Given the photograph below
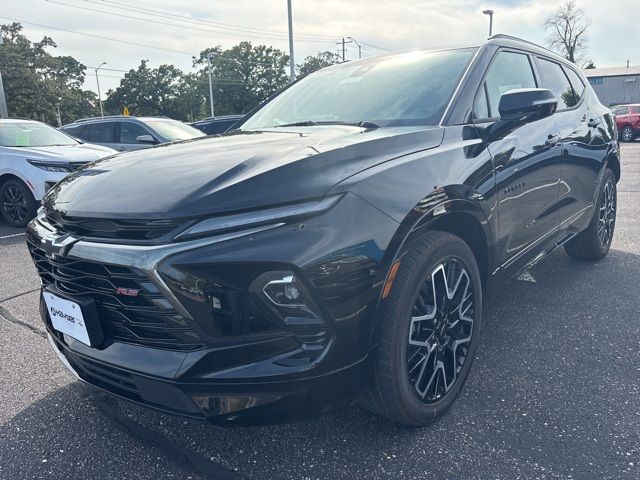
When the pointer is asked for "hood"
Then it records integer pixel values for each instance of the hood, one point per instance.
(81, 152)
(237, 171)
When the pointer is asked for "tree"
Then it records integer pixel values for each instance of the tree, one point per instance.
(151, 91)
(243, 76)
(318, 61)
(568, 28)
(36, 82)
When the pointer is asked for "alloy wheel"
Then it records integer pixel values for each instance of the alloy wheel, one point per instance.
(607, 214)
(14, 204)
(440, 331)
(627, 134)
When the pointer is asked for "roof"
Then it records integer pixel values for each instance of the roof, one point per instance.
(612, 72)
(118, 117)
(17, 120)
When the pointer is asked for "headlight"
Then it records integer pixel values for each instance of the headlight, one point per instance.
(50, 166)
(273, 216)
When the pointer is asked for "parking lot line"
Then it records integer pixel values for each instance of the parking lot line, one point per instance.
(12, 235)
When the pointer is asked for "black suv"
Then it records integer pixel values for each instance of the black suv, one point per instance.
(338, 246)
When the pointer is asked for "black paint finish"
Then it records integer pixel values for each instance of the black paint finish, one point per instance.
(512, 197)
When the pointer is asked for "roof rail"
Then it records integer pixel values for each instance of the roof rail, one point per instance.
(517, 39)
(87, 119)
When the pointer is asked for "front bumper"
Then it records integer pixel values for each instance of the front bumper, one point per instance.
(225, 375)
(219, 403)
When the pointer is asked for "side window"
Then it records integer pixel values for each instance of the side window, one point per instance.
(508, 71)
(79, 131)
(576, 83)
(554, 79)
(129, 132)
(623, 111)
(103, 132)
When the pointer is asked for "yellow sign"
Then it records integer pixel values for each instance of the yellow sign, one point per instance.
(125, 111)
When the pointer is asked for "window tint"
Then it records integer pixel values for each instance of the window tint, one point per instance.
(508, 71)
(576, 83)
(79, 131)
(129, 132)
(480, 106)
(103, 132)
(555, 80)
(623, 111)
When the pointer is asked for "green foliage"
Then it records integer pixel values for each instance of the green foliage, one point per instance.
(321, 60)
(36, 82)
(243, 76)
(162, 91)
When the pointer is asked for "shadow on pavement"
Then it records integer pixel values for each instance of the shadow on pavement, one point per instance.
(554, 393)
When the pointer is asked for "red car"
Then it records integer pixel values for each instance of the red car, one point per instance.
(627, 121)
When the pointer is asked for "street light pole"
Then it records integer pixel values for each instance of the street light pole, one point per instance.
(210, 55)
(98, 83)
(3, 101)
(490, 13)
(292, 63)
(359, 46)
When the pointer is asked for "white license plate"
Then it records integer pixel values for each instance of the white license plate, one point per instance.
(66, 317)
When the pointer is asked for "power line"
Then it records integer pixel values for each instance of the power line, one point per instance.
(98, 36)
(164, 14)
(376, 47)
(158, 22)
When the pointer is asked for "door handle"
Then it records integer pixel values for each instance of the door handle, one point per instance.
(594, 122)
(552, 140)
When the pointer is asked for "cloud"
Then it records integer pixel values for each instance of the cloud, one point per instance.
(397, 25)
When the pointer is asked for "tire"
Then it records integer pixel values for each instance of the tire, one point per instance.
(594, 242)
(627, 134)
(408, 388)
(17, 204)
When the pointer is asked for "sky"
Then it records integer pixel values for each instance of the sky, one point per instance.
(188, 26)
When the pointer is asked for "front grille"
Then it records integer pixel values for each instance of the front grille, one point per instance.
(116, 229)
(103, 373)
(146, 319)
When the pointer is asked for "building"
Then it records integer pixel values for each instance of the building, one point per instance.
(615, 85)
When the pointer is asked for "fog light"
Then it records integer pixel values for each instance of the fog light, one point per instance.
(291, 292)
(283, 292)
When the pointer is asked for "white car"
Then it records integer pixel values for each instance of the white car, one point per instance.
(33, 158)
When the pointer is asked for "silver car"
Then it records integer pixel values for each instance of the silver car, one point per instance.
(124, 133)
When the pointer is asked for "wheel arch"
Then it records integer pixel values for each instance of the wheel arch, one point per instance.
(460, 217)
(613, 162)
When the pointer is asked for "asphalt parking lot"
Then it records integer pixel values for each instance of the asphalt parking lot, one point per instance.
(554, 393)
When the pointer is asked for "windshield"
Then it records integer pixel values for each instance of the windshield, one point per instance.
(173, 130)
(407, 89)
(31, 134)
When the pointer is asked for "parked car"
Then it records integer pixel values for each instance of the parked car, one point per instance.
(124, 133)
(33, 158)
(338, 246)
(217, 125)
(627, 121)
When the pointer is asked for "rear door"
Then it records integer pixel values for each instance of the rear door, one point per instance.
(526, 163)
(103, 133)
(583, 146)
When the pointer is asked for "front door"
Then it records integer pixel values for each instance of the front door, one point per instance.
(527, 166)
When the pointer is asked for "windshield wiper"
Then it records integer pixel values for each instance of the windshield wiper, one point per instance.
(312, 123)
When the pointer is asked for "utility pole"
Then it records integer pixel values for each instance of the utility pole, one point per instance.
(210, 55)
(58, 116)
(490, 13)
(292, 63)
(98, 83)
(3, 101)
(359, 46)
(344, 51)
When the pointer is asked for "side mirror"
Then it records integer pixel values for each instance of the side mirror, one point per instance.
(525, 105)
(520, 106)
(146, 139)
